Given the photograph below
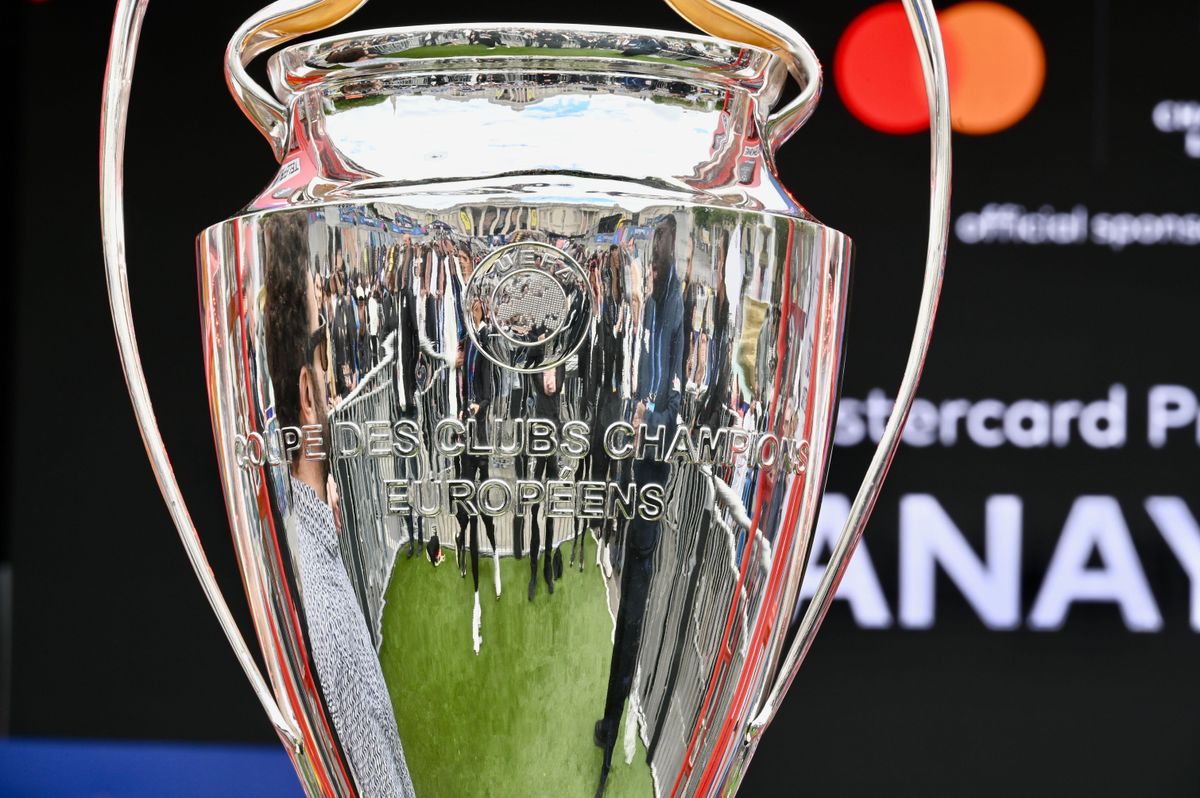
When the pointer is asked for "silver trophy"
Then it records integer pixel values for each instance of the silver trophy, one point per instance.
(523, 371)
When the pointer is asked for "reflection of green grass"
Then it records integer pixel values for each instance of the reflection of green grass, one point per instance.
(516, 720)
(359, 102)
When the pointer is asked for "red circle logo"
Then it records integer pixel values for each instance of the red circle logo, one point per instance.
(995, 65)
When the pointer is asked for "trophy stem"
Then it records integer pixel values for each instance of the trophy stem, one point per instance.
(923, 22)
(117, 81)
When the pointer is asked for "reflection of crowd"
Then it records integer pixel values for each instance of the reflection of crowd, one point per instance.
(362, 309)
(661, 353)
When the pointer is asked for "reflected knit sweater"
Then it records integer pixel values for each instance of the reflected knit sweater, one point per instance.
(347, 667)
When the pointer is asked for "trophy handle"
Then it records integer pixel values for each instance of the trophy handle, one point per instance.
(118, 77)
(923, 21)
(275, 24)
(741, 23)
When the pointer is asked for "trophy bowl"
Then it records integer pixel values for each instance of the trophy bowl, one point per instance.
(523, 372)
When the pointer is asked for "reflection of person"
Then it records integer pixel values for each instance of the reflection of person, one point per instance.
(407, 346)
(716, 400)
(346, 666)
(478, 389)
(364, 354)
(345, 336)
(695, 307)
(658, 396)
(544, 390)
(612, 311)
(374, 318)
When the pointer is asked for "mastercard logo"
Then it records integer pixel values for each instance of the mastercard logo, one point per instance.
(994, 62)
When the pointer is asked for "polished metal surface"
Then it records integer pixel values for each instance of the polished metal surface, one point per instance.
(678, 447)
(541, 283)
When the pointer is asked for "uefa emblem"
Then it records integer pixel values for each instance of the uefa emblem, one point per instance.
(530, 306)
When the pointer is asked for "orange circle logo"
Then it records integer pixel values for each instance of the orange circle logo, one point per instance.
(994, 62)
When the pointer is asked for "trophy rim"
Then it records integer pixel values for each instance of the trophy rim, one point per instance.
(410, 202)
(710, 59)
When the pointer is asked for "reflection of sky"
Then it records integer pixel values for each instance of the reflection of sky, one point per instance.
(560, 107)
(424, 137)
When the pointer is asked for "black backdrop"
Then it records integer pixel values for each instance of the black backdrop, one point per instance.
(112, 638)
